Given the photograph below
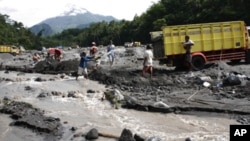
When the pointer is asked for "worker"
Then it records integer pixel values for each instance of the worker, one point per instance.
(111, 53)
(58, 54)
(36, 57)
(148, 61)
(188, 55)
(82, 68)
(93, 52)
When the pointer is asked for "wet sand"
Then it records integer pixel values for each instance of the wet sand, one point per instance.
(171, 94)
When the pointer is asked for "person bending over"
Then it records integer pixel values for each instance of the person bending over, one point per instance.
(82, 68)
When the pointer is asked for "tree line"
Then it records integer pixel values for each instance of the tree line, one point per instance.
(162, 13)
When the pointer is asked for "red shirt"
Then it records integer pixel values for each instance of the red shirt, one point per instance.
(93, 50)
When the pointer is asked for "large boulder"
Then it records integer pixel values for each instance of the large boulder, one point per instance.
(126, 135)
(92, 134)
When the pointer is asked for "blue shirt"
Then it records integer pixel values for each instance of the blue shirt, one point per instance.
(84, 61)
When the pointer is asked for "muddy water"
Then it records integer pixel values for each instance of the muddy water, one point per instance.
(88, 111)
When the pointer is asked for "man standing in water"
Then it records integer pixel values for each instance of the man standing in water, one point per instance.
(148, 61)
(188, 55)
(82, 68)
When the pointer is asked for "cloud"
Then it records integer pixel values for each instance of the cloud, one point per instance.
(8, 9)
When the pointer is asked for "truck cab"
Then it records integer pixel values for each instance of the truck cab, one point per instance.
(15, 50)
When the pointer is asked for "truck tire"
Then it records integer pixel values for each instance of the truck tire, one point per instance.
(198, 62)
(247, 60)
(235, 61)
(14, 54)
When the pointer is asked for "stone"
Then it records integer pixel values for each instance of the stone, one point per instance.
(139, 138)
(188, 139)
(154, 139)
(126, 135)
(92, 134)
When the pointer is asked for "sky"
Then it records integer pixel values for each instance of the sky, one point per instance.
(31, 12)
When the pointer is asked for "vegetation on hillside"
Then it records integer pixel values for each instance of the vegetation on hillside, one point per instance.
(165, 12)
(14, 33)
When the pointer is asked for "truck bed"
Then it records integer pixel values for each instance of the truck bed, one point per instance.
(207, 37)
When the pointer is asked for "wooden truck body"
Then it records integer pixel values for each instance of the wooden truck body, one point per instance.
(212, 42)
(9, 49)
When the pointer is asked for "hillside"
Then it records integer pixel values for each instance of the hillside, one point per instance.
(73, 18)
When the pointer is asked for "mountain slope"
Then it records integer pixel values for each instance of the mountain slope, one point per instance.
(60, 23)
(72, 18)
(44, 28)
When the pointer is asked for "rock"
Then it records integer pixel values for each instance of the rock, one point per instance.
(154, 139)
(118, 95)
(114, 96)
(43, 94)
(183, 81)
(232, 80)
(139, 138)
(56, 93)
(72, 94)
(90, 91)
(25, 115)
(92, 134)
(206, 84)
(131, 102)
(73, 129)
(62, 75)
(202, 79)
(161, 104)
(27, 88)
(126, 135)
(188, 139)
(39, 79)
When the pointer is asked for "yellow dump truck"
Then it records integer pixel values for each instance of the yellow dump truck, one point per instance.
(9, 49)
(136, 44)
(212, 42)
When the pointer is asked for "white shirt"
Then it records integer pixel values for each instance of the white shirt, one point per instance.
(149, 55)
(189, 42)
(110, 49)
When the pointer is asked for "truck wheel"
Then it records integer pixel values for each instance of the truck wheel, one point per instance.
(14, 54)
(236, 61)
(247, 60)
(198, 63)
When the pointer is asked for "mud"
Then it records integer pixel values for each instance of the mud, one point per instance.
(27, 116)
(168, 86)
(182, 95)
(169, 91)
(173, 88)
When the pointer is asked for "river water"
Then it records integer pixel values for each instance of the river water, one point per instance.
(89, 111)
